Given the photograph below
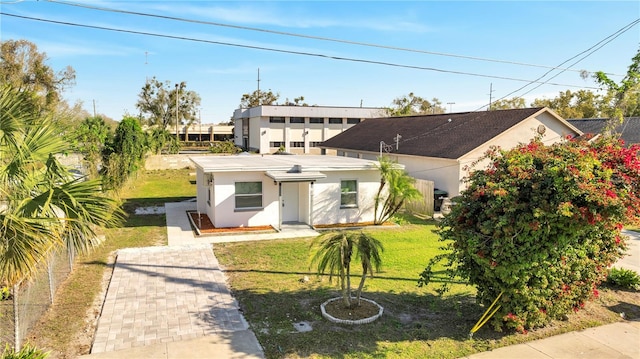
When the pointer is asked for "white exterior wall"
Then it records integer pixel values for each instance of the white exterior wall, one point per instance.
(326, 209)
(224, 212)
(326, 195)
(262, 132)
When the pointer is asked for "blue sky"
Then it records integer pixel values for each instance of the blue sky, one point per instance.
(459, 49)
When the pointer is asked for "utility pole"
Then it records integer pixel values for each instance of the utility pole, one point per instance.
(451, 106)
(177, 118)
(200, 123)
(259, 87)
(490, 95)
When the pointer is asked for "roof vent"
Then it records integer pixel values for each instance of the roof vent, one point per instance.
(296, 169)
(449, 120)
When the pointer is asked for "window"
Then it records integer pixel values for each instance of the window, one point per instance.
(248, 195)
(348, 194)
(316, 120)
(276, 119)
(296, 120)
(353, 121)
(314, 143)
(276, 144)
(299, 144)
(335, 120)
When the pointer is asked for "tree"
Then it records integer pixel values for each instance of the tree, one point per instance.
(298, 101)
(159, 139)
(157, 102)
(508, 104)
(25, 69)
(259, 98)
(89, 138)
(125, 154)
(540, 226)
(625, 96)
(42, 207)
(580, 104)
(396, 187)
(333, 253)
(415, 105)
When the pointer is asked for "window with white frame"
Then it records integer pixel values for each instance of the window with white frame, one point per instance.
(248, 195)
(348, 193)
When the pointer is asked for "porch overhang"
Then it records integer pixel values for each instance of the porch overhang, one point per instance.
(284, 176)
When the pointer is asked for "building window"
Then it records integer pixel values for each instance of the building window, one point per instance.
(316, 120)
(314, 143)
(248, 195)
(276, 144)
(348, 194)
(296, 120)
(334, 120)
(299, 144)
(353, 121)
(276, 119)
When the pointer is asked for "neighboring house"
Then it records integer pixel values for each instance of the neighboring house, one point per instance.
(257, 190)
(629, 129)
(294, 129)
(442, 148)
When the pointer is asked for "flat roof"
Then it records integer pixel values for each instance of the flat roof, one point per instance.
(283, 163)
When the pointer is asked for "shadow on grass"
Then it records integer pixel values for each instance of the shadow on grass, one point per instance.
(130, 204)
(628, 311)
(437, 277)
(147, 220)
(423, 324)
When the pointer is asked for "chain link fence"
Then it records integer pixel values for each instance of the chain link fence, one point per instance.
(24, 306)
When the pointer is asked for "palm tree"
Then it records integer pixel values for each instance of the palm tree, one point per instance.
(333, 254)
(396, 187)
(42, 207)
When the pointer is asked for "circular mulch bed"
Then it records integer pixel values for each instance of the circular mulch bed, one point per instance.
(337, 312)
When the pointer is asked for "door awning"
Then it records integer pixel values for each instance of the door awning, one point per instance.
(284, 176)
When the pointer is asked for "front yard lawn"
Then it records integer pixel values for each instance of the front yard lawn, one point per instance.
(268, 280)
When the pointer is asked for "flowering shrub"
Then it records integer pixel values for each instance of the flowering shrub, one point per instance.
(541, 225)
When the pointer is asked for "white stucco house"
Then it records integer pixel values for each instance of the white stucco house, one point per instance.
(443, 147)
(261, 190)
(296, 129)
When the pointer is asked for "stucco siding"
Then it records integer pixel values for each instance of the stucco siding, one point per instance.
(225, 213)
(326, 209)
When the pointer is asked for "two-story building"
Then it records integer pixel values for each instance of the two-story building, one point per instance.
(294, 129)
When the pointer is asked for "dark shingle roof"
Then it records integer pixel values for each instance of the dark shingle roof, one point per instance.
(629, 129)
(444, 136)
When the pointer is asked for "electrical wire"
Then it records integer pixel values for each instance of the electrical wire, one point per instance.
(590, 51)
(291, 34)
(291, 52)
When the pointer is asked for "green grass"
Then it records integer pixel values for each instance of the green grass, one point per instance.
(266, 279)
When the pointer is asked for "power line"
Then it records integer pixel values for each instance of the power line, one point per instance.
(291, 52)
(590, 51)
(291, 34)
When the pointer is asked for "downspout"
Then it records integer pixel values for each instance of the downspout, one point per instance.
(280, 205)
(311, 205)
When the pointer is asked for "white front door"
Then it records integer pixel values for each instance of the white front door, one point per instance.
(290, 202)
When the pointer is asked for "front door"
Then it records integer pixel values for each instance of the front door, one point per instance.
(290, 202)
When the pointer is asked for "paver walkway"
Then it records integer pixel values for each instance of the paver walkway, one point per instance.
(165, 294)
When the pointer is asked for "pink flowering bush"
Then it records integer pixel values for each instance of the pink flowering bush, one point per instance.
(542, 224)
